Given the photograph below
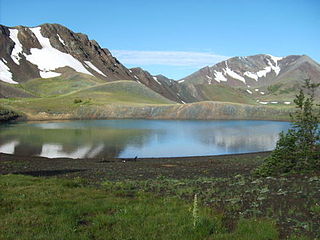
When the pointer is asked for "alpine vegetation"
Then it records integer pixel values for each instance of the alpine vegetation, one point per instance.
(195, 210)
(298, 150)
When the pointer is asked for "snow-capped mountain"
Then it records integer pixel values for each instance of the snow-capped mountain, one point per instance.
(258, 76)
(53, 51)
(254, 70)
(47, 50)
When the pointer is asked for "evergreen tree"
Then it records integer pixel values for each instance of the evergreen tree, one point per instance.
(298, 150)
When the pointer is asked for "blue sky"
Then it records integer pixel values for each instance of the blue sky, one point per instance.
(176, 38)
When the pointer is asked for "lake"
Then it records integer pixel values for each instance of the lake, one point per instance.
(141, 138)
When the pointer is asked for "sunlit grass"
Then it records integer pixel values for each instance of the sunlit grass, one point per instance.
(37, 208)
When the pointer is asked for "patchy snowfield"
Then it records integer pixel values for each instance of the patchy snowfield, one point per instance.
(94, 68)
(272, 65)
(5, 74)
(218, 76)
(251, 75)
(49, 58)
(17, 46)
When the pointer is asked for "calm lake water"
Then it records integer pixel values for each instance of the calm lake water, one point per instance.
(142, 138)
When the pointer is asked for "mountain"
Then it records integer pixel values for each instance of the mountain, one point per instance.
(55, 72)
(67, 60)
(262, 78)
(160, 84)
(49, 50)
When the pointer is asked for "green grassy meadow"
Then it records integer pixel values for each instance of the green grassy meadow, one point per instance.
(120, 92)
(38, 208)
(225, 93)
(59, 85)
(55, 208)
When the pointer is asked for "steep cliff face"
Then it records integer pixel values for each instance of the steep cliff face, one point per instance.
(47, 50)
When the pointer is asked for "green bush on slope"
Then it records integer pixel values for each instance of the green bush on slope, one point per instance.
(8, 115)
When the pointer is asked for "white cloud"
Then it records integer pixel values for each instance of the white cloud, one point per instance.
(168, 58)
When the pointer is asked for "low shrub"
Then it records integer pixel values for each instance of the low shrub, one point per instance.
(8, 115)
(77, 100)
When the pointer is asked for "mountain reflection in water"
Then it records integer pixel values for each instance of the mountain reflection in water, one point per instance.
(142, 138)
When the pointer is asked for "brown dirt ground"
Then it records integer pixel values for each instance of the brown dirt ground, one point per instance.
(97, 170)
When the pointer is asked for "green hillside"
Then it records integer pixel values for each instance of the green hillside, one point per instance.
(223, 93)
(44, 87)
(119, 92)
(13, 91)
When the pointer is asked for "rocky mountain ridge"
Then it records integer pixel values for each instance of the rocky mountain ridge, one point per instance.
(44, 51)
(257, 76)
(52, 51)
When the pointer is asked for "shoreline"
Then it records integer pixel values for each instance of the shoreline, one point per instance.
(205, 110)
(101, 169)
(147, 119)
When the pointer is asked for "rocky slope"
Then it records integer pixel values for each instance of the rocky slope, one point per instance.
(47, 50)
(29, 55)
(263, 78)
(51, 50)
(160, 84)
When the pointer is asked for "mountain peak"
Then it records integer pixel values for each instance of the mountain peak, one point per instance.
(43, 51)
(250, 70)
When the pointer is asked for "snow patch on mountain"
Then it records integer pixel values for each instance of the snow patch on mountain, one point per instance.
(17, 46)
(275, 59)
(94, 67)
(233, 74)
(276, 68)
(228, 71)
(49, 74)
(264, 72)
(209, 79)
(61, 40)
(156, 79)
(5, 74)
(218, 76)
(49, 58)
(251, 75)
